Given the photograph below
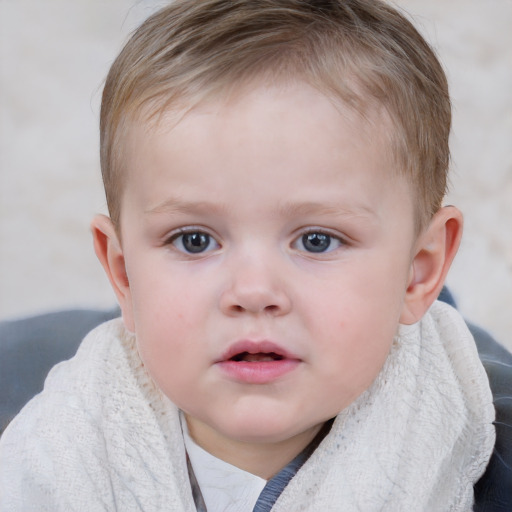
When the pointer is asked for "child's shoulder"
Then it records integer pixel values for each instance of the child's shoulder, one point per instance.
(52, 443)
(78, 384)
(31, 346)
(96, 427)
(75, 394)
(89, 392)
(105, 361)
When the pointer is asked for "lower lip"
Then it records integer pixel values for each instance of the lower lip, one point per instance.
(255, 372)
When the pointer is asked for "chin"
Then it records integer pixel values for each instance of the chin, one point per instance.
(259, 428)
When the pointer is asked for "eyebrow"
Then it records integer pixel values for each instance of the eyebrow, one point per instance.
(288, 210)
(176, 205)
(309, 208)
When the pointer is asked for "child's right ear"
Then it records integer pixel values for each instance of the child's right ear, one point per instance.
(109, 251)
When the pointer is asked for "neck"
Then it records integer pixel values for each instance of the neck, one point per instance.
(263, 459)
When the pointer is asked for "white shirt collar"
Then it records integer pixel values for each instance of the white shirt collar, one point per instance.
(225, 488)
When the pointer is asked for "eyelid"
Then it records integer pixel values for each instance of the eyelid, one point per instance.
(184, 230)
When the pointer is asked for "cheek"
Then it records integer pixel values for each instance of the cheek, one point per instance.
(165, 322)
(163, 297)
(351, 365)
(354, 324)
(169, 352)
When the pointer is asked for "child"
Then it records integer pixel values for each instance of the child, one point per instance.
(274, 172)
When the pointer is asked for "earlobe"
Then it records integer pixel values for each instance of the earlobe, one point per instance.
(433, 255)
(110, 253)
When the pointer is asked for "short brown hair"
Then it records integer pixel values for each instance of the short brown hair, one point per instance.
(360, 51)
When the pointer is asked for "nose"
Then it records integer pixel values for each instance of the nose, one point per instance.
(255, 287)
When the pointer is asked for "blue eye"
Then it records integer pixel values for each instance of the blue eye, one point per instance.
(194, 242)
(318, 242)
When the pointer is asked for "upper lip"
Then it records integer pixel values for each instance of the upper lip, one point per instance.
(256, 347)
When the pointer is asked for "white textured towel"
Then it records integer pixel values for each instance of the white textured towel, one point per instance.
(102, 437)
(417, 440)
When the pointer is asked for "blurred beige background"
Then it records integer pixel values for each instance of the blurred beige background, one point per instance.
(54, 55)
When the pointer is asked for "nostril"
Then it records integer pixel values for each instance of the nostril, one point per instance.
(272, 308)
(238, 300)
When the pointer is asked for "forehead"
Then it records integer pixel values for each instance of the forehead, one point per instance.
(297, 106)
(275, 140)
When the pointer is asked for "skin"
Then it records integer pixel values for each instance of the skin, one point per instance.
(252, 174)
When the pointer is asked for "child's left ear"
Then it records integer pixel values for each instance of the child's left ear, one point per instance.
(433, 255)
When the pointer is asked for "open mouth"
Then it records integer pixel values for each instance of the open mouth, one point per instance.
(255, 352)
(257, 362)
(260, 357)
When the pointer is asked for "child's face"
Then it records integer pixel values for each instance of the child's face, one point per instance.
(268, 243)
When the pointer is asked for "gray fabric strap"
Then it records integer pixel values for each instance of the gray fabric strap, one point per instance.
(276, 484)
(196, 491)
